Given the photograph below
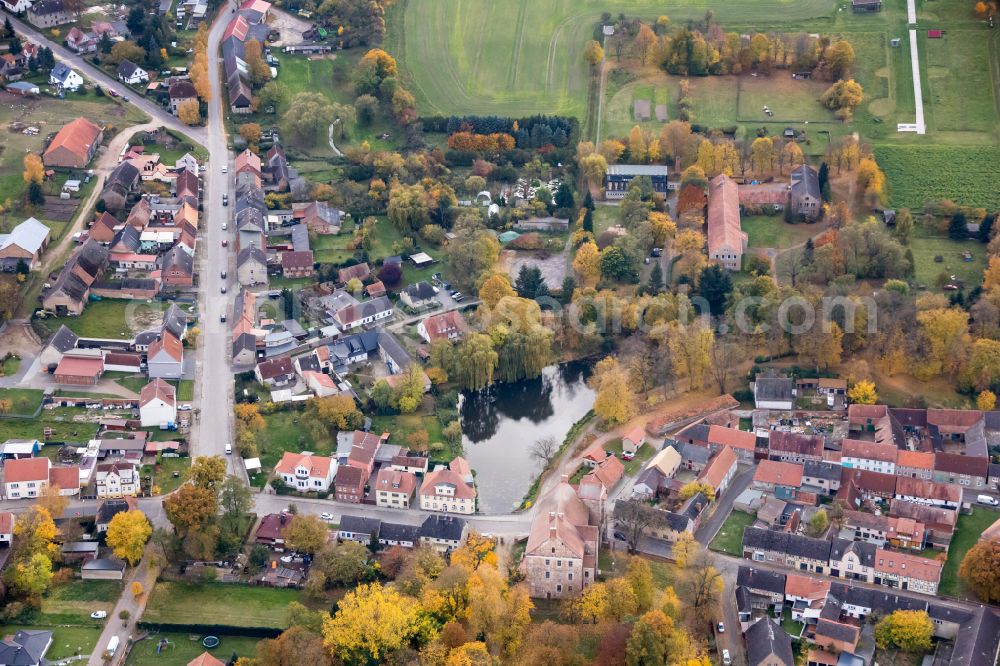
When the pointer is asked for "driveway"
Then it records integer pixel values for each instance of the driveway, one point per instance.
(125, 629)
(724, 507)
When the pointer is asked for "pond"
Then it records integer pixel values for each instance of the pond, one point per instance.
(500, 424)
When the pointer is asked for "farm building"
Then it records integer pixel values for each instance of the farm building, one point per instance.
(620, 176)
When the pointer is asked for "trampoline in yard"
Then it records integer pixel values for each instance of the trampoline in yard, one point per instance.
(210, 642)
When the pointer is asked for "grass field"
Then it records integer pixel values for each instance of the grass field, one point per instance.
(773, 231)
(969, 529)
(236, 605)
(183, 648)
(22, 401)
(927, 271)
(729, 540)
(163, 477)
(60, 420)
(67, 641)
(112, 319)
(519, 58)
(284, 432)
(957, 174)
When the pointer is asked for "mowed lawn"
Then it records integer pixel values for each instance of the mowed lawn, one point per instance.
(217, 603)
(729, 540)
(970, 528)
(112, 319)
(67, 641)
(792, 101)
(958, 78)
(927, 271)
(183, 648)
(519, 58)
(773, 231)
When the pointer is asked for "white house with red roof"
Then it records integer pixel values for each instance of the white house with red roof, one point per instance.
(26, 477)
(157, 404)
(450, 489)
(117, 479)
(306, 472)
(444, 326)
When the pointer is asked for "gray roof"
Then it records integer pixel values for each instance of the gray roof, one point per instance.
(127, 68)
(251, 253)
(177, 257)
(821, 470)
(761, 579)
(300, 238)
(388, 343)
(420, 291)
(129, 237)
(245, 342)
(29, 235)
(637, 170)
(64, 339)
(174, 320)
(360, 525)
(61, 70)
(26, 649)
(864, 550)
(805, 180)
(836, 630)
(104, 564)
(448, 528)
(397, 532)
(773, 388)
(655, 517)
(767, 643)
(790, 544)
(109, 509)
(695, 453)
(81, 547)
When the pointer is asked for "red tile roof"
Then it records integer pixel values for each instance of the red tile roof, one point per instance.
(774, 472)
(67, 478)
(724, 215)
(6, 522)
(319, 466)
(883, 452)
(738, 439)
(158, 389)
(76, 136)
(394, 481)
(441, 326)
(717, 468)
(169, 343)
(910, 566)
(915, 459)
(26, 469)
(80, 366)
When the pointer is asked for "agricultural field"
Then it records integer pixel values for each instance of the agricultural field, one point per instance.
(958, 173)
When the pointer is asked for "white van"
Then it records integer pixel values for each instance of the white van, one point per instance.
(988, 499)
(229, 449)
(112, 647)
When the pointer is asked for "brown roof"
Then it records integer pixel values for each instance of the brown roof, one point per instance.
(158, 389)
(394, 481)
(608, 472)
(915, 459)
(360, 271)
(375, 289)
(169, 343)
(738, 439)
(957, 463)
(934, 517)
(300, 259)
(724, 215)
(805, 587)
(832, 383)
(948, 492)
(563, 516)
(762, 195)
(858, 414)
(80, 366)
(774, 472)
(349, 476)
(910, 566)
(855, 448)
(26, 469)
(874, 483)
(440, 326)
(791, 442)
(448, 476)
(717, 468)
(247, 161)
(275, 367)
(272, 525)
(76, 136)
(954, 420)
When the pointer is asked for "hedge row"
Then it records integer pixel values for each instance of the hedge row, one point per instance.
(212, 629)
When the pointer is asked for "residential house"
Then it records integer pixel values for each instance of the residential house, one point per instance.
(915, 464)
(357, 271)
(251, 266)
(305, 472)
(350, 484)
(445, 326)
(742, 443)
(271, 531)
(774, 393)
(410, 462)
(821, 477)
(859, 485)
(782, 479)
(297, 264)
(595, 487)
(49, 14)
(666, 461)
(118, 186)
(907, 572)
(560, 559)
(694, 457)
(77, 142)
(656, 523)
(768, 644)
(852, 560)
(180, 92)
(726, 240)
(80, 41)
(965, 470)
(394, 534)
(359, 528)
(871, 456)
(108, 509)
(103, 228)
(275, 172)
(419, 295)
(157, 404)
(116, 479)
(25, 243)
(25, 478)
(720, 470)
(394, 489)
(318, 217)
(65, 78)
(443, 533)
(165, 357)
(17, 6)
(794, 447)
(247, 161)
(275, 372)
(805, 197)
(27, 647)
(919, 491)
(177, 268)
(449, 489)
(633, 440)
(787, 549)
(131, 74)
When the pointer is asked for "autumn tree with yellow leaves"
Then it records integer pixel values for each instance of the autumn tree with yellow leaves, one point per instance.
(127, 535)
(614, 403)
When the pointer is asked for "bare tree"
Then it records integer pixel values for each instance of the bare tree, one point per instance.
(701, 587)
(633, 518)
(725, 357)
(544, 449)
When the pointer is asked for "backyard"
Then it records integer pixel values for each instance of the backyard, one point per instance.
(729, 540)
(218, 603)
(180, 649)
(67, 423)
(772, 231)
(112, 319)
(970, 528)
(927, 271)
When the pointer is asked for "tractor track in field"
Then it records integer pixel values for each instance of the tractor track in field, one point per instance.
(522, 11)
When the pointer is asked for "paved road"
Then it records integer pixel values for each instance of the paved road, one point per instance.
(95, 74)
(127, 602)
(212, 430)
(707, 531)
